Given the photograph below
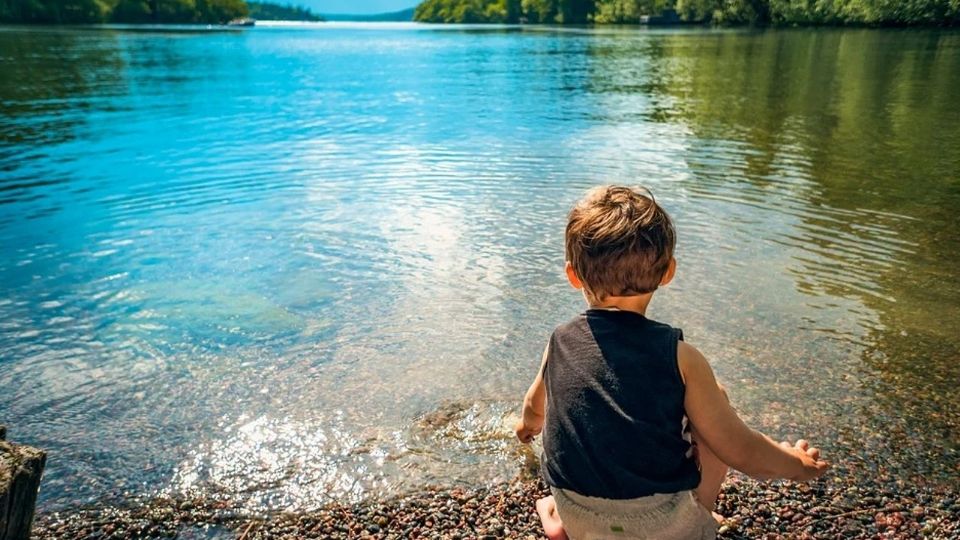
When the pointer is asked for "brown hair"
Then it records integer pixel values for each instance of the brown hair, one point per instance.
(619, 241)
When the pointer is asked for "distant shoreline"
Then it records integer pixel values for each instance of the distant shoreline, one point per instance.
(759, 13)
(403, 15)
(278, 22)
(694, 25)
(152, 13)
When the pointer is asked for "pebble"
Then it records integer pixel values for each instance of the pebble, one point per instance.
(849, 508)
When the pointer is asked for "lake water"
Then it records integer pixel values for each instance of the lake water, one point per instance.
(301, 263)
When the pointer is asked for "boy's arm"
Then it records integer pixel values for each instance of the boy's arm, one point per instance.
(730, 439)
(531, 419)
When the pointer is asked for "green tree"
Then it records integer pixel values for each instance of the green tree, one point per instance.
(628, 11)
(503, 11)
(873, 12)
(725, 11)
(576, 11)
(132, 11)
(869, 12)
(174, 11)
(220, 11)
(900, 11)
(53, 11)
(541, 11)
(514, 10)
(275, 12)
(468, 11)
(127, 11)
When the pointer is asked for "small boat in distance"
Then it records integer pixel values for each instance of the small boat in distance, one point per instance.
(246, 21)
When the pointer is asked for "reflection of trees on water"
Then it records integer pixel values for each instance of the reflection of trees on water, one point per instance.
(635, 68)
(54, 78)
(862, 130)
(49, 77)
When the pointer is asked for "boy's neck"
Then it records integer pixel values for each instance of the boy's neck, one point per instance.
(636, 304)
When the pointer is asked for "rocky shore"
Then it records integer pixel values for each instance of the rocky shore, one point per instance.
(834, 508)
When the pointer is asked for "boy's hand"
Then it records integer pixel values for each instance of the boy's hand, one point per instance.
(812, 465)
(534, 402)
(525, 432)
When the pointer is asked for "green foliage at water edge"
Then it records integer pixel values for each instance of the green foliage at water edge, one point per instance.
(121, 11)
(275, 12)
(468, 11)
(781, 12)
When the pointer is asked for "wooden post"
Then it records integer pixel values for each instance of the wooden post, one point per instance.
(20, 470)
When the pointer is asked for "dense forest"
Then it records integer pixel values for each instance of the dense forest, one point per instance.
(839, 12)
(142, 11)
(275, 12)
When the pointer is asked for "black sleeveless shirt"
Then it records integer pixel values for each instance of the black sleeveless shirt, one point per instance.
(615, 424)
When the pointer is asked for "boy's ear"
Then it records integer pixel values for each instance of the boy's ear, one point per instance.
(572, 277)
(671, 270)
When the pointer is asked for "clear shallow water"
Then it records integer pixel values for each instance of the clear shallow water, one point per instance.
(295, 264)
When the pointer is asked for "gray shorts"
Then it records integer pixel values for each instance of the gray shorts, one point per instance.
(671, 516)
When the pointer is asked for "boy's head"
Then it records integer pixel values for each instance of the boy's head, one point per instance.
(619, 242)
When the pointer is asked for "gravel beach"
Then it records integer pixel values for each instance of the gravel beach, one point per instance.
(832, 508)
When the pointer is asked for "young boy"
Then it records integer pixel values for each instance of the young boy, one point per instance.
(637, 434)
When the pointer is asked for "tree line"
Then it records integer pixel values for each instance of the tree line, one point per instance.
(780, 12)
(142, 11)
(275, 12)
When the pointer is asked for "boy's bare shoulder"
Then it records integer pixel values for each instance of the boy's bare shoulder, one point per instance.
(690, 359)
(686, 350)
